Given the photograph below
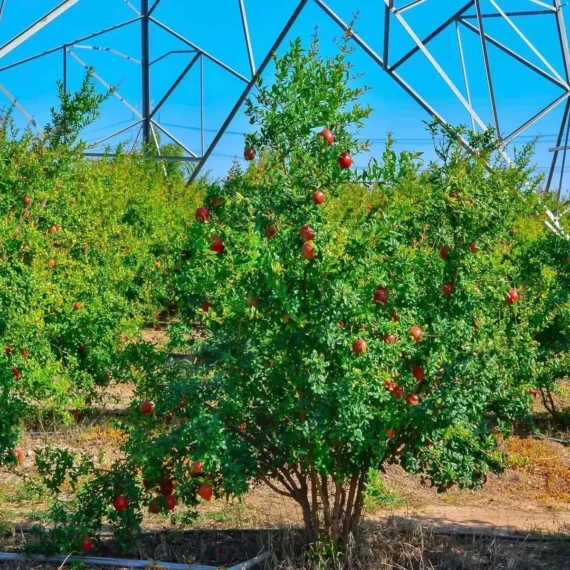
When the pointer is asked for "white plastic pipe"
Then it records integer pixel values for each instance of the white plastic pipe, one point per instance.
(120, 563)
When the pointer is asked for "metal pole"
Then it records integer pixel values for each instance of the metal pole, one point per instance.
(145, 65)
(464, 70)
(387, 14)
(64, 69)
(563, 38)
(202, 104)
(562, 170)
(487, 68)
(558, 143)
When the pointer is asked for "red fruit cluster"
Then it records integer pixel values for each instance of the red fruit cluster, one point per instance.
(308, 250)
(307, 233)
(249, 153)
(202, 214)
(344, 160)
(417, 333)
(205, 491)
(121, 503)
(146, 408)
(447, 289)
(512, 296)
(381, 295)
(418, 373)
(328, 135)
(216, 244)
(360, 346)
(318, 197)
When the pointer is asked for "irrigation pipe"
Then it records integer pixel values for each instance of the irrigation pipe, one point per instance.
(124, 563)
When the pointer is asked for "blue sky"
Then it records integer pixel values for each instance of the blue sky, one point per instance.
(216, 27)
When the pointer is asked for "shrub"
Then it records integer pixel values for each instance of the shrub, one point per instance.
(80, 246)
(387, 331)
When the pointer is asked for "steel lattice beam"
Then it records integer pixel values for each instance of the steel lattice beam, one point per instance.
(471, 16)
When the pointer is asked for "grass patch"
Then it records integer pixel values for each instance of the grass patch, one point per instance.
(378, 495)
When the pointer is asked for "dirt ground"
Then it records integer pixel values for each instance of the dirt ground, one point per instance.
(530, 499)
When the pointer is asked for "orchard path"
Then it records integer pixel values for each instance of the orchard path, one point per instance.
(483, 520)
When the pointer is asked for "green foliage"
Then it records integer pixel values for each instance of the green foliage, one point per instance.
(391, 335)
(277, 392)
(86, 257)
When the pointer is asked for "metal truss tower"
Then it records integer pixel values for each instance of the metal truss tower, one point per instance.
(471, 17)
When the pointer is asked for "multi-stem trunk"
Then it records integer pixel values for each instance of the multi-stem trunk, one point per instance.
(332, 509)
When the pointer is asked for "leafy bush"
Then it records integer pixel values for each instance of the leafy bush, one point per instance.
(334, 321)
(87, 253)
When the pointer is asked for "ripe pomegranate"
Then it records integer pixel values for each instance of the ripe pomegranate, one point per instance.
(158, 265)
(344, 160)
(398, 392)
(24, 353)
(418, 373)
(360, 347)
(27, 200)
(154, 506)
(389, 384)
(308, 250)
(216, 244)
(381, 295)
(217, 202)
(205, 491)
(202, 214)
(271, 231)
(394, 315)
(17, 374)
(444, 252)
(447, 289)
(512, 296)
(170, 502)
(473, 247)
(318, 197)
(390, 433)
(146, 408)
(328, 135)
(412, 400)
(76, 306)
(121, 503)
(205, 307)
(417, 333)
(197, 467)
(167, 487)
(8, 350)
(389, 338)
(307, 233)
(249, 153)
(86, 544)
